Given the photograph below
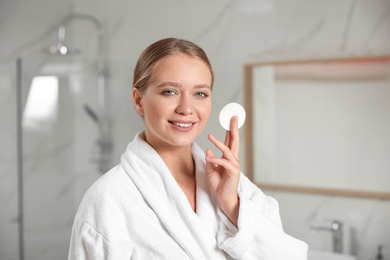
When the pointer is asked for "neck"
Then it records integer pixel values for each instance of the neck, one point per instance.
(182, 167)
(177, 158)
(179, 162)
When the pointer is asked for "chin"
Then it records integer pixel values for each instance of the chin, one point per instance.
(183, 141)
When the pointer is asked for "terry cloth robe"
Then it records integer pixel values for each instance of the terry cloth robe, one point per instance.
(138, 211)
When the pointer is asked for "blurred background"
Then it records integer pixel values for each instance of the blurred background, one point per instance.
(66, 113)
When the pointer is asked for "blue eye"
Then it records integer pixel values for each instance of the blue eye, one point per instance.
(201, 94)
(168, 92)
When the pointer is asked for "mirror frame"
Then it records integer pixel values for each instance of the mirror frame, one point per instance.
(248, 135)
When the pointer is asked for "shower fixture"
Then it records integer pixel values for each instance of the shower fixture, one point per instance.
(61, 48)
(103, 145)
(91, 113)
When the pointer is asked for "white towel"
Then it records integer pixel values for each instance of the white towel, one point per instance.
(138, 211)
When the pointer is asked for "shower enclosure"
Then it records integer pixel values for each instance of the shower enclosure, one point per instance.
(9, 228)
(55, 141)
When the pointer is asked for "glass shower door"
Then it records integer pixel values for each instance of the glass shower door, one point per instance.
(48, 167)
(58, 156)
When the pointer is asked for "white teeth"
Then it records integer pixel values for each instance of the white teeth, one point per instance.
(183, 125)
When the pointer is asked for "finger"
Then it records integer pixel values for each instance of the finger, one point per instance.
(213, 175)
(226, 152)
(210, 166)
(227, 139)
(230, 168)
(234, 136)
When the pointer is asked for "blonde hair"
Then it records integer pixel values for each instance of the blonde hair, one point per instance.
(151, 56)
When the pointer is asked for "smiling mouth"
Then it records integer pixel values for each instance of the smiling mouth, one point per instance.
(184, 125)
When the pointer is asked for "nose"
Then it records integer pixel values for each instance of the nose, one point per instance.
(185, 106)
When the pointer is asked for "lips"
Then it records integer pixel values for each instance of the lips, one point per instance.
(182, 124)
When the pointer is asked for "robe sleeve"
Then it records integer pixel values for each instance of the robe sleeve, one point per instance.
(260, 234)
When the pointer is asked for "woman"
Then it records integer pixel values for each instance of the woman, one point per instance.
(167, 199)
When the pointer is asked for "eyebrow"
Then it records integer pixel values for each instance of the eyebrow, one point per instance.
(178, 85)
(169, 83)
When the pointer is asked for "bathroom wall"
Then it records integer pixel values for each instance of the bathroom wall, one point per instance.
(231, 32)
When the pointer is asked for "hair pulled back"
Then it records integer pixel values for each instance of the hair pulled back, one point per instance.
(151, 56)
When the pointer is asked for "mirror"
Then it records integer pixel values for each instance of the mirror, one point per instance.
(319, 126)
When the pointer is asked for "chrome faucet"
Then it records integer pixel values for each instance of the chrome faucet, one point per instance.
(337, 234)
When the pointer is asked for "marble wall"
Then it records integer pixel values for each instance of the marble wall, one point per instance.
(60, 164)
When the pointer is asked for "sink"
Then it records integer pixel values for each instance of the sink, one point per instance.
(324, 255)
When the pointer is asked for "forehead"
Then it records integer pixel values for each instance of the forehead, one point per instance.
(179, 61)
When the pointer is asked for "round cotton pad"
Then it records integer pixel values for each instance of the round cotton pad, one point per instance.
(230, 110)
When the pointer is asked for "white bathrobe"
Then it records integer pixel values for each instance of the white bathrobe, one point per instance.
(138, 211)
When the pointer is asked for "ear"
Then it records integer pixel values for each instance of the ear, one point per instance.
(137, 98)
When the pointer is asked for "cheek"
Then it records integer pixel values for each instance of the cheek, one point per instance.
(157, 108)
(205, 111)
(152, 110)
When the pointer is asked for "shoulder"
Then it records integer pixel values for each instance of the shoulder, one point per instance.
(106, 197)
(109, 184)
(101, 219)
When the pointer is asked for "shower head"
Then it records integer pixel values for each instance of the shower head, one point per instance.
(61, 48)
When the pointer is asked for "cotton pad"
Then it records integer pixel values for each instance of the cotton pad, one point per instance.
(230, 110)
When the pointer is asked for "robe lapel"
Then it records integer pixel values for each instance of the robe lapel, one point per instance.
(157, 185)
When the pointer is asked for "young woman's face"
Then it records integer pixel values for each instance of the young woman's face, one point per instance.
(177, 102)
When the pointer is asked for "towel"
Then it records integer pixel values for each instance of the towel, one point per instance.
(138, 211)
